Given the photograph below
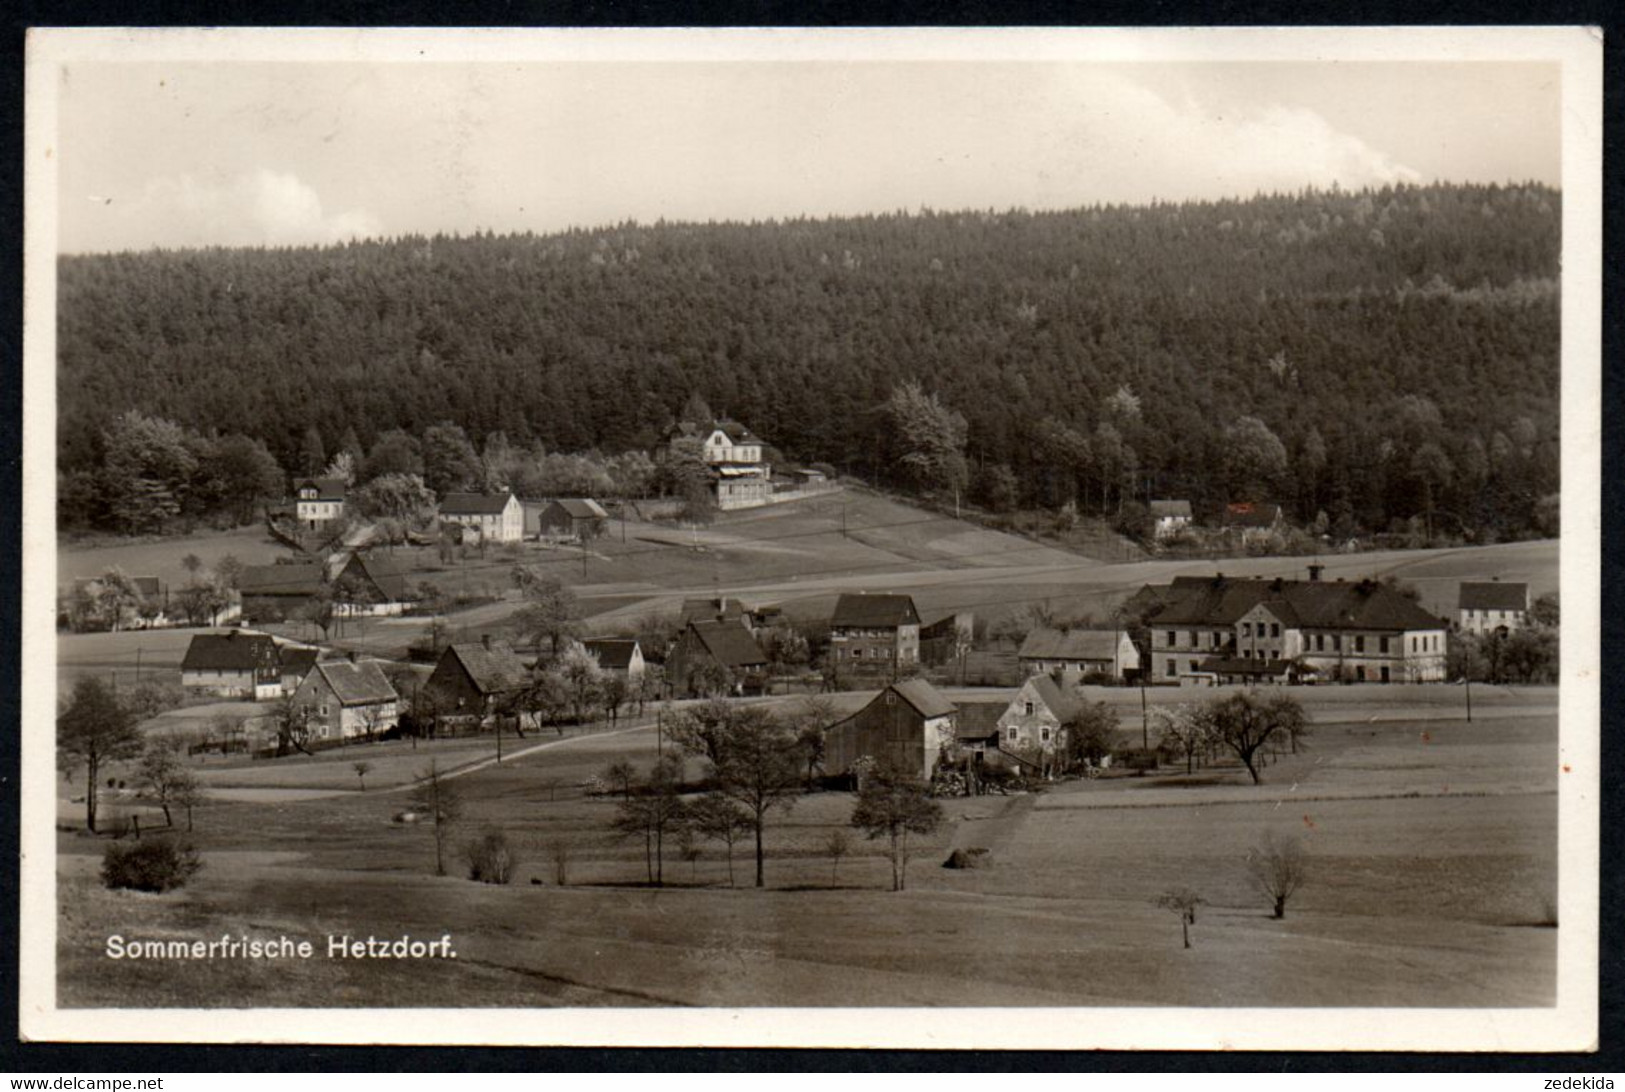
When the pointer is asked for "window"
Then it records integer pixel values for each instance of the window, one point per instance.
(1275, 629)
(1320, 642)
(1044, 735)
(1247, 629)
(1172, 639)
(1359, 644)
(1195, 640)
(1011, 735)
(1337, 642)
(857, 653)
(1193, 665)
(1173, 668)
(1382, 646)
(1027, 708)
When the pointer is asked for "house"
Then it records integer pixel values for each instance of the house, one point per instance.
(715, 644)
(906, 726)
(741, 477)
(1169, 517)
(1253, 522)
(147, 608)
(1033, 725)
(618, 655)
(874, 633)
(946, 639)
(273, 593)
(371, 585)
(493, 517)
(474, 681)
(1355, 631)
(233, 664)
(716, 609)
(317, 501)
(1079, 652)
(1492, 607)
(344, 699)
(579, 518)
(297, 660)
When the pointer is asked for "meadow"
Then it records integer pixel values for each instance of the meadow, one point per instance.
(1432, 846)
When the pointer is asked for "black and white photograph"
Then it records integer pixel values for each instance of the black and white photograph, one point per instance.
(953, 539)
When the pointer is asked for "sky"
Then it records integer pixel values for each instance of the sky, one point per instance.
(247, 153)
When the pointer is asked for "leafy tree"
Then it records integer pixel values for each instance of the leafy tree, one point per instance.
(291, 720)
(1182, 901)
(1091, 734)
(893, 804)
(399, 503)
(1545, 610)
(583, 679)
(229, 570)
(147, 471)
(1255, 459)
(96, 730)
(165, 774)
(653, 812)
(620, 775)
(933, 438)
(450, 464)
(719, 818)
(394, 453)
(551, 612)
(809, 721)
(362, 769)
(1187, 729)
(752, 757)
(312, 455)
(249, 475)
(1245, 722)
(836, 846)
(436, 797)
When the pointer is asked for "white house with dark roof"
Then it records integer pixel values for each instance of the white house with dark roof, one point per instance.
(1078, 652)
(234, 664)
(494, 517)
(741, 476)
(343, 699)
(1033, 726)
(1493, 606)
(1169, 517)
(317, 501)
(621, 655)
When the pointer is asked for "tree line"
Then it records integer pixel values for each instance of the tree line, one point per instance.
(1381, 355)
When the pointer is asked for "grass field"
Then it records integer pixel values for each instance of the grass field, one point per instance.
(162, 557)
(1432, 847)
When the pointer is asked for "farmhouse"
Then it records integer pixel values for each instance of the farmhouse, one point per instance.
(1359, 632)
(272, 593)
(1169, 517)
(493, 517)
(740, 474)
(317, 501)
(722, 650)
(233, 665)
(1033, 726)
(906, 726)
(618, 655)
(344, 699)
(473, 681)
(874, 633)
(1492, 607)
(1253, 522)
(578, 518)
(371, 585)
(1079, 652)
(716, 609)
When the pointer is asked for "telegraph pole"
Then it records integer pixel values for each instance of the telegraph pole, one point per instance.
(1467, 682)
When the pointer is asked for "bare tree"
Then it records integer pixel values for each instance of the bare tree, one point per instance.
(558, 851)
(653, 812)
(894, 804)
(620, 776)
(1279, 865)
(1182, 901)
(443, 803)
(362, 769)
(164, 773)
(189, 793)
(837, 845)
(719, 818)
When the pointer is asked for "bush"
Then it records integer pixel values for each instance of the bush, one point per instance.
(158, 864)
(490, 860)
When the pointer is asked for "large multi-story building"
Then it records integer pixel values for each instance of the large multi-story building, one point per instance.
(741, 476)
(1225, 629)
(876, 633)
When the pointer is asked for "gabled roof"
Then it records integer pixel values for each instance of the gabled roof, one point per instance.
(233, 651)
(361, 683)
(1076, 644)
(1162, 508)
(1251, 514)
(327, 489)
(298, 661)
(711, 610)
(874, 612)
(474, 504)
(614, 653)
(926, 699)
(735, 431)
(492, 669)
(302, 578)
(979, 719)
(1313, 604)
(729, 643)
(1062, 704)
(387, 575)
(1494, 596)
(582, 508)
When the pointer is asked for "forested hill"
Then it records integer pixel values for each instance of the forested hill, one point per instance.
(1353, 325)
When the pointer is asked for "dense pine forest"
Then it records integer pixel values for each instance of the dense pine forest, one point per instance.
(1364, 358)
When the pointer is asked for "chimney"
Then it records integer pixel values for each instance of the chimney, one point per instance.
(485, 639)
(1315, 571)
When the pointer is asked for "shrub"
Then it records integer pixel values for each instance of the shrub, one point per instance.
(157, 864)
(490, 860)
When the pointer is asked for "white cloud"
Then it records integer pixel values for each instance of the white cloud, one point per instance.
(262, 208)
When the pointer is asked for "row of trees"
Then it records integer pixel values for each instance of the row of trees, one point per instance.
(1246, 724)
